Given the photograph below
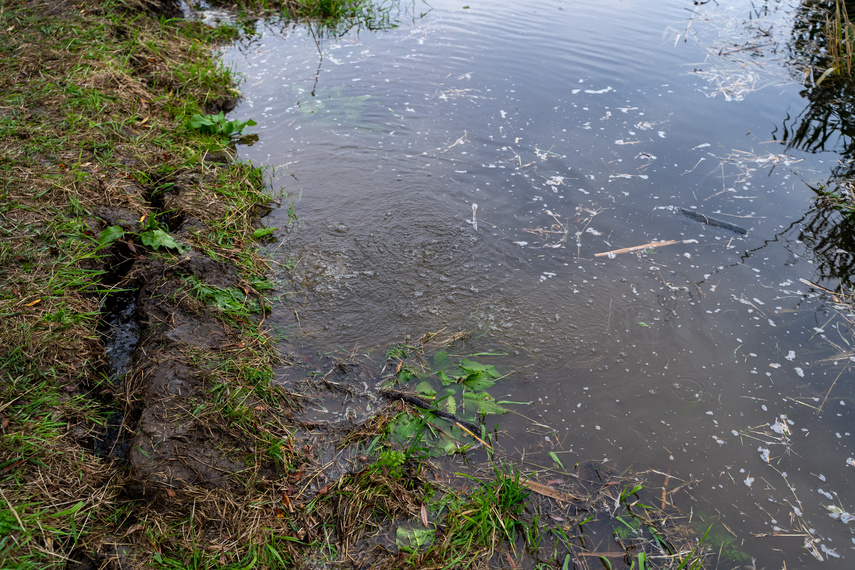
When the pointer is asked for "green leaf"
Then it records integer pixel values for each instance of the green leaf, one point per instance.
(445, 378)
(159, 238)
(198, 121)
(449, 401)
(228, 299)
(110, 234)
(555, 459)
(440, 361)
(484, 403)
(405, 429)
(71, 510)
(446, 446)
(477, 382)
(261, 232)
(411, 539)
(425, 388)
(470, 366)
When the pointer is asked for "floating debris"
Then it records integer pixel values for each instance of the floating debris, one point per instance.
(839, 514)
(649, 245)
(780, 426)
(712, 222)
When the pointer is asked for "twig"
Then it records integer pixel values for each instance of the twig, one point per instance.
(637, 247)
(819, 409)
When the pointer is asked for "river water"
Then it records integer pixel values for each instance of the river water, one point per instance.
(465, 169)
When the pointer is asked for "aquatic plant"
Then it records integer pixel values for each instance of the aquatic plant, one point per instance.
(454, 396)
(340, 16)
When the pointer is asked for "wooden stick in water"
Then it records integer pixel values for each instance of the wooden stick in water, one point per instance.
(637, 247)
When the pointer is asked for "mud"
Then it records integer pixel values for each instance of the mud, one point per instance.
(172, 449)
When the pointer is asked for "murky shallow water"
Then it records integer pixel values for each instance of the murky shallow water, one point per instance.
(579, 128)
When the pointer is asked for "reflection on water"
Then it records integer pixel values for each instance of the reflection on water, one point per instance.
(825, 124)
(583, 128)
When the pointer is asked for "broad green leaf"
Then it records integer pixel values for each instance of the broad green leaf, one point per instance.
(110, 234)
(229, 299)
(404, 429)
(484, 403)
(447, 446)
(450, 403)
(196, 121)
(411, 539)
(445, 378)
(555, 459)
(261, 232)
(425, 388)
(159, 238)
(440, 361)
(470, 366)
(477, 382)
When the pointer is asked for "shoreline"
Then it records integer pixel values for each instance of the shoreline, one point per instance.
(198, 456)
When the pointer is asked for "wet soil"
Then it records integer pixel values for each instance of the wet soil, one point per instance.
(171, 448)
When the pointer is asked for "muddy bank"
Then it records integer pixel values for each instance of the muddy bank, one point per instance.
(109, 194)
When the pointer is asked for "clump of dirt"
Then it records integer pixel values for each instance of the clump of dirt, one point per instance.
(172, 448)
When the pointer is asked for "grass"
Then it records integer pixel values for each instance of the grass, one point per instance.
(840, 42)
(95, 100)
(493, 513)
(340, 16)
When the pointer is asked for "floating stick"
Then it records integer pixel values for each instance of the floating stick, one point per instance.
(637, 247)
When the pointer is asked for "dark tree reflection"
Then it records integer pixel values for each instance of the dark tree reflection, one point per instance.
(826, 124)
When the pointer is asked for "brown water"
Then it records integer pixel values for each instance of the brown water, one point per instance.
(577, 128)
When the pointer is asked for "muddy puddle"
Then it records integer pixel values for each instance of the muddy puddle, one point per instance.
(482, 168)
